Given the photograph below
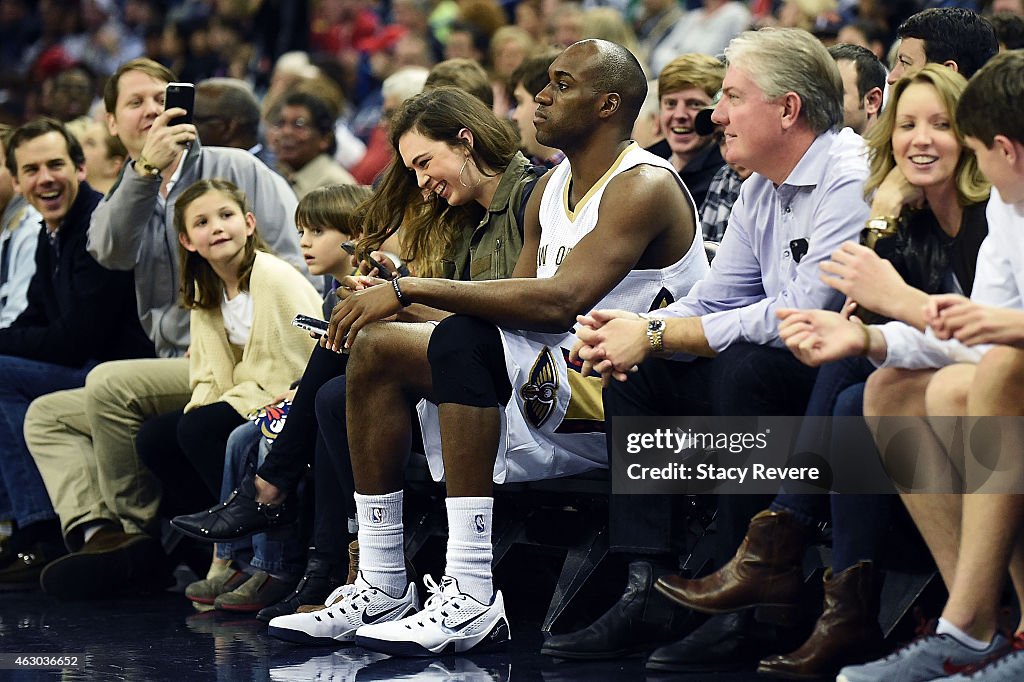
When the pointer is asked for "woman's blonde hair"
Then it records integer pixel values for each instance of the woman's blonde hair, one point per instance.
(971, 185)
(200, 285)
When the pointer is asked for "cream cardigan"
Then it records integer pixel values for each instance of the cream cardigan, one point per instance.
(276, 352)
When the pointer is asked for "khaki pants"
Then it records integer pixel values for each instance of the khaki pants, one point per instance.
(83, 442)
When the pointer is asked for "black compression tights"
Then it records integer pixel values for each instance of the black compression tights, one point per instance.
(467, 363)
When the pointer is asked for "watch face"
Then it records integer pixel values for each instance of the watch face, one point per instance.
(656, 325)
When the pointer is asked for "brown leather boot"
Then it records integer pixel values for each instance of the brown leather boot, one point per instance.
(846, 633)
(353, 565)
(765, 572)
(353, 562)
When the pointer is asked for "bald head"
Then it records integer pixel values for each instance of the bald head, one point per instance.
(609, 67)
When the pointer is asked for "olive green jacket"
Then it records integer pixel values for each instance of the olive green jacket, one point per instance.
(493, 247)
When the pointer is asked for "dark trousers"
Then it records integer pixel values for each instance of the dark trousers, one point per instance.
(186, 452)
(334, 478)
(743, 380)
(293, 451)
(335, 504)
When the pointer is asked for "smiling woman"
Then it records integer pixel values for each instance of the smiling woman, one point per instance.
(302, 137)
(918, 157)
(452, 159)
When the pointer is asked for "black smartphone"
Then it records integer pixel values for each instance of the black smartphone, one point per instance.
(312, 325)
(798, 248)
(181, 95)
(382, 272)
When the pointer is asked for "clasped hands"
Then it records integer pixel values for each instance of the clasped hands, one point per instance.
(611, 343)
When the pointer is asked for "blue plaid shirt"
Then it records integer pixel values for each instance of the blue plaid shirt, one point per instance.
(722, 194)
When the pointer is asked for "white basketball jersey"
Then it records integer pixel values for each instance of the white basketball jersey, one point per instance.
(562, 229)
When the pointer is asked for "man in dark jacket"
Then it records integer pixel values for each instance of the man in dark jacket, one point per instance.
(79, 314)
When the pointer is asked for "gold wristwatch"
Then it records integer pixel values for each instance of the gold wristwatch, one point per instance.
(146, 168)
(656, 333)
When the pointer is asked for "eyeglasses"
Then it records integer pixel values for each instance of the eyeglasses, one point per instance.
(299, 124)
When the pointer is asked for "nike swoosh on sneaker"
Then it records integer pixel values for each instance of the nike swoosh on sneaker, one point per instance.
(463, 624)
(371, 618)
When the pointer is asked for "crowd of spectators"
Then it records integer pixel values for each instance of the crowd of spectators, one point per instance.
(591, 154)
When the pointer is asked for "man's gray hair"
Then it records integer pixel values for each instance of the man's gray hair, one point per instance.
(781, 60)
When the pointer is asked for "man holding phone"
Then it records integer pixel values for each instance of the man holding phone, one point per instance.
(133, 229)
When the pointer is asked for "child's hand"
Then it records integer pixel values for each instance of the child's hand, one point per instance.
(287, 395)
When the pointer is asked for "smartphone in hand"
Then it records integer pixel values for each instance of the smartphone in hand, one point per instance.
(181, 95)
(311, 324)
(382, 271)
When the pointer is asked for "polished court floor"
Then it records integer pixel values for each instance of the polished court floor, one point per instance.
(163, 638)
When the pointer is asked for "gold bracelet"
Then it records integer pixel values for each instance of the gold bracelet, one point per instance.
(867, 340)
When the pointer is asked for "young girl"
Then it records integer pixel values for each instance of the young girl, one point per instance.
(325, 218)
(243, 352)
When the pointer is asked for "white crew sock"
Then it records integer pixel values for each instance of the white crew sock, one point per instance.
(90, 528)
(381, 551)
(946, 628)
(469, 545)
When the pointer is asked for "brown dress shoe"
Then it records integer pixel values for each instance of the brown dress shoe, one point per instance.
(111, 563)
(765, 572)
(847, 632)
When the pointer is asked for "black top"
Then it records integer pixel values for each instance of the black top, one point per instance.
(697, 174)
(78, 311)
(925, 255)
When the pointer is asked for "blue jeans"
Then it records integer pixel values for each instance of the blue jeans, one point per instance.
(858, 521)
(23, 496)
(278, 551)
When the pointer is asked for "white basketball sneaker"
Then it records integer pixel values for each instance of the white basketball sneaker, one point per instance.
(348, 608)
(450, 623)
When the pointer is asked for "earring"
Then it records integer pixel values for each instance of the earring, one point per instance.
(463, 182)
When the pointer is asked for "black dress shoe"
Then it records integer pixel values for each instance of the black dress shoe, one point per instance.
(638, 622)
(730, 641)
(313, 588)
(239, 517)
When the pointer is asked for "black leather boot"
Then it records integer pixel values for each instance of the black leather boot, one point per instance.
(239, 517)
(313, 588)
(728, 641)
(639, 621)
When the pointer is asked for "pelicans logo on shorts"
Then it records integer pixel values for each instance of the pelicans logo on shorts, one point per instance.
(541, 390)
(663, 299)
